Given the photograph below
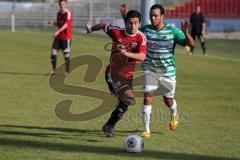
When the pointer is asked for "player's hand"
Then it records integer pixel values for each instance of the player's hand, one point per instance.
(89, 27)
(56, 34)
(50, 22)
(123, 9)
(185, 25)
(203, 32)
(122, 49)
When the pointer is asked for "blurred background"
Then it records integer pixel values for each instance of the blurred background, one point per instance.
(221, 15)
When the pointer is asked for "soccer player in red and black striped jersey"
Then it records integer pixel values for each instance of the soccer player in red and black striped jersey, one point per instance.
(128, 47)
(62, 37)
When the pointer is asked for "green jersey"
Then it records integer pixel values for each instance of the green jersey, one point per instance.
(160, 49)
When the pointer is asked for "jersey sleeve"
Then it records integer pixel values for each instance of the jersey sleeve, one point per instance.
(112, 31)
(142, 43)
(179, 37)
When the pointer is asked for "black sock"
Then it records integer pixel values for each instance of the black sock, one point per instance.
(191, 49)
(67, 63)
(117, 114)
(54, 61)
(203, 45)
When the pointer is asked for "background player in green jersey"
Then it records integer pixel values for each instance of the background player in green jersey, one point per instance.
(159, 66)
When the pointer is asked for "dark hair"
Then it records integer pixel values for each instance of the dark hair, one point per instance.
(59, 1)
(158, 6)
(133, 14)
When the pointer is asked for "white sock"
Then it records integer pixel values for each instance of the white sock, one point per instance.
(173, 108)
(146, 115)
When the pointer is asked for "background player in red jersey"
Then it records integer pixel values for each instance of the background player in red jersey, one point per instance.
(129, 46)
(62, 37)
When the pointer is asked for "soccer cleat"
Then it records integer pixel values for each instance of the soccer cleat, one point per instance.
(174, 122)
(146, 135)
(108, 130)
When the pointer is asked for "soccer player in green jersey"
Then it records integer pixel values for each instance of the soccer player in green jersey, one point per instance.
(159, 66)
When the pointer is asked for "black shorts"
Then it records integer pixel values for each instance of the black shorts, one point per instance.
(64, 45)
(197, 34)
(118, 84)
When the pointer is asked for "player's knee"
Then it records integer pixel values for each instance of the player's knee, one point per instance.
(130, 101)
(54, 52)
(168, 101)
(127, 97)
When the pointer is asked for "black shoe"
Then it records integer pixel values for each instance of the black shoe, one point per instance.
(108, 130)
(204, 52)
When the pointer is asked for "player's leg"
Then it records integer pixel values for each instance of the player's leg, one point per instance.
(109, 83)
(122, 88)
(107, 128)
(172, 105)
(66, 52)
(125, 98)
(146, 110)
(203, 44)
(54, 50)
(193, 34)
(121, 108)
(168, 97)
(67, 62)
(116, 116)
(150, 84)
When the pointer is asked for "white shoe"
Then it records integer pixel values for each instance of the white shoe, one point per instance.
(53, 72)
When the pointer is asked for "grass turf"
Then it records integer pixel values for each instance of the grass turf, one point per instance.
(207, 96)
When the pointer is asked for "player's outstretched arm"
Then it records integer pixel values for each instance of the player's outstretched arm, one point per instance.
(123, 9)
(52, 22)
(96, 27)
(185, 28)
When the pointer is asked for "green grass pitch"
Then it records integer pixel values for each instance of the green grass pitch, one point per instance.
(208, 90)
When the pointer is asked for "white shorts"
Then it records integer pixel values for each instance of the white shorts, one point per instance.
(165, 86)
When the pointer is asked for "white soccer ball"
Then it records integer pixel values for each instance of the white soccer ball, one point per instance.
(134, 144)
